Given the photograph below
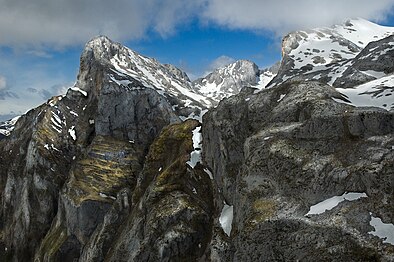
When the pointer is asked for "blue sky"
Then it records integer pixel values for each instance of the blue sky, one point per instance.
(41, 40)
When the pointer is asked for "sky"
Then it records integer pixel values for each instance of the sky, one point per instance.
(41, 40)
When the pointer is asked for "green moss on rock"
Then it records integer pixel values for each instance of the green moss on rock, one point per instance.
(51, 244)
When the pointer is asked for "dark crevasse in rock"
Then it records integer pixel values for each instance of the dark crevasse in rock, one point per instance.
(102, 173)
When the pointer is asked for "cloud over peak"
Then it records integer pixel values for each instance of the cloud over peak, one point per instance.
(287, 15)
(70, 22)
(3, 82)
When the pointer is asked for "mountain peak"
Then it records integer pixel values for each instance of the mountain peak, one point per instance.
(230, 79)
(99, 40)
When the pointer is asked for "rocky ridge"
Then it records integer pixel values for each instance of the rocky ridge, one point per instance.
(230, 79)
(355, 57)
(117, 169)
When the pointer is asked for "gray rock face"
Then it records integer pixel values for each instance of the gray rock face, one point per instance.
(103, 173)
(276, 153)
(63, 155)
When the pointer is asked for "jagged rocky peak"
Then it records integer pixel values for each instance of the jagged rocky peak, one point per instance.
(102, 48)
(177, 72)
(122, 67)
(357, 54)
(331, 44)
(230, 79)
(235, 74)
(79, 156)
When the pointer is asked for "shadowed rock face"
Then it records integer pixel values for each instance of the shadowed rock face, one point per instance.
(276, 153)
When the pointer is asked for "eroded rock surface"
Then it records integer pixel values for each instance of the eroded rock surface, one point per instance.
(276, 153)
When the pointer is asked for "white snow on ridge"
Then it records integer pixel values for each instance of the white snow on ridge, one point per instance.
(77, 89)
(362, 31)
(372, 93)
(209, 173)
(195, 155)
(226, 218)
(373, 73)
(382, 230)
(332, 202)
(8, 126)
(326, 45)
(152, 74)
(5, 132)
(71, 131)
(264, 79)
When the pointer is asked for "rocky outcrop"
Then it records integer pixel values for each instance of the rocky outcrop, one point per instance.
(163, 213)
(276, 153)
(112, 171)
(67, 160)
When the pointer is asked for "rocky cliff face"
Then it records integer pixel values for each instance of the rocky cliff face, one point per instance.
(277, 153)
(118, 169)
(75, 161)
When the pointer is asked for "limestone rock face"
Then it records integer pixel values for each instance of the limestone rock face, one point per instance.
(66, 162)
(119, 169)
(276, 153)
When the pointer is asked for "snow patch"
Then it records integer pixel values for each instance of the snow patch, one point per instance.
(71, 131)
(77, 89)
(281, 97)
(195, 155)
(378, 93)
(373, 73)
(106, 196)
(210, 173)
(382, 230)
(332, 202)
(226, 218)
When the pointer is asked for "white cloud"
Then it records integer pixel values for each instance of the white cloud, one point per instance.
(68, 22)
(3, 82)
(287, 15)
(218, 62)
(221, 61)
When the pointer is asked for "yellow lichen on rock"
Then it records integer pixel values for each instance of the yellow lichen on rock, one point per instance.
(110, 165)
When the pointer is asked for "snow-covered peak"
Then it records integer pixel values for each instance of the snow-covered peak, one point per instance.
(236, 70)
(355, 57)
(7, 127)
(322, 46)
(361, 31)
(128, 69)
(229, 80)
